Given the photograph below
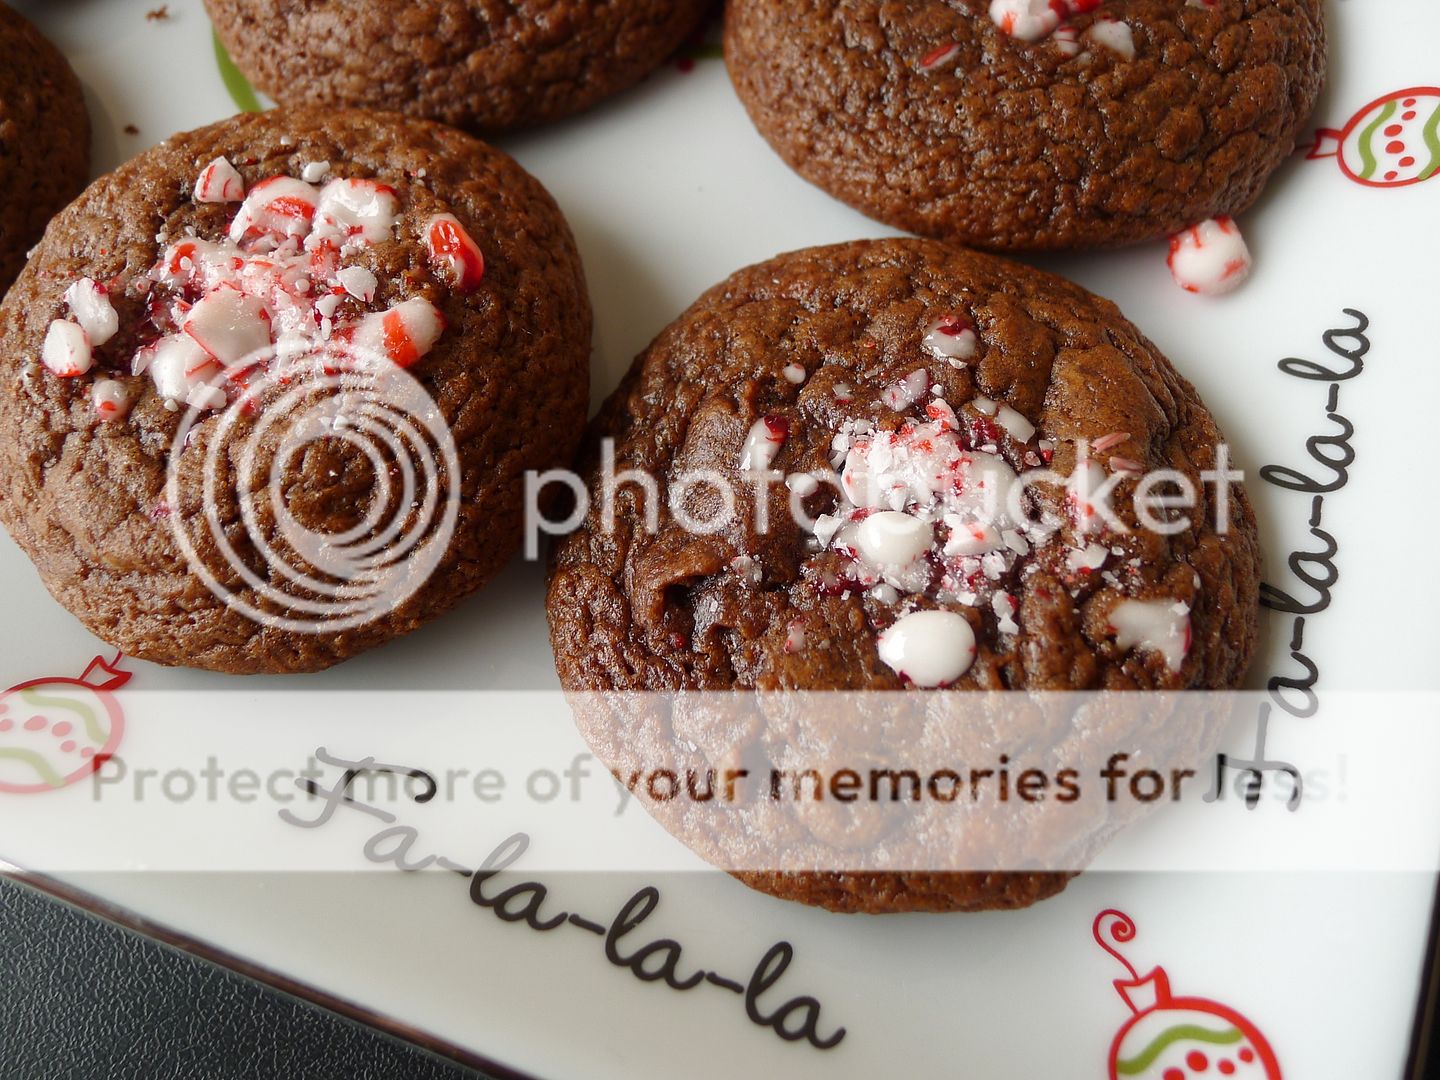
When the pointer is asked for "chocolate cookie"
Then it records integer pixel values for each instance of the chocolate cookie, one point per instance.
(941, 470)
(478, 64)
(1003, 126)
(44, 139)
(268, 392)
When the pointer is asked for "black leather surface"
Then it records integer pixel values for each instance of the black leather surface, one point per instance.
(81, 998)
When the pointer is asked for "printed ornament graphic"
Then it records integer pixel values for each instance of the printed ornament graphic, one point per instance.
(57, 731)
(1177, 1038)
(1392, 142)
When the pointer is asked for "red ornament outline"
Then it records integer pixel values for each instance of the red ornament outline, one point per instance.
(117, 677)
(1122, 930)
(1314, 152)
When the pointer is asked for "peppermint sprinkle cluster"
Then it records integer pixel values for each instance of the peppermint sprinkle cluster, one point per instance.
(281, 287)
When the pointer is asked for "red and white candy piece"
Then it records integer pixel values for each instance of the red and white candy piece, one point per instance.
(281, 206)
(930, 648)
(939, 410)
(939, 55)
(1032, 20)
(971, 536)
(892, 538)
(1112, 34)
(90, 304)
(179, 366)
(219, 182)
(110, 399)
(1210, 258)
(353, 211)
(952, 338)
(66, 351)
(1161, 626)
(358, 282)
(454, 253)
(1087, 494)
(903, 393)
(230, 326)
(763, 442)
(795, 637)
(1005, 609)
(1019, 429)
(402, 335)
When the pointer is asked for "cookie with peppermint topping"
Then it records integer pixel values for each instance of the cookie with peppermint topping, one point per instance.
(1032, 125)
(479, 64)
(44, 138)
(887, 466)
(270, 390)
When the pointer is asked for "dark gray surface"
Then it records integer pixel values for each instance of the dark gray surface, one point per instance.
(82, 998)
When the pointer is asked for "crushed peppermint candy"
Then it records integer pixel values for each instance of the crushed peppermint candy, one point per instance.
(939, 56)
(1161, 626)
(1005, 608)
(802, 484)
(1035, 20)
(903, 393)
(795, 637)
(1019, 429)
(747, 568)
(1211, 258)
(358, 282)
(355, 214)
(270, 290)
(930, 511)
(1088, 559)
(453, 250)
(403, 334)
(219, 182)
(1112, 34)
(89, 302)
(66, 351)
(766, 437)
(952, 338)
(924, 512)
(110, 399)
(929, 648)
(1088, 496)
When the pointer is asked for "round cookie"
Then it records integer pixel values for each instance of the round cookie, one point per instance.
(1127, 121)
(44, 139)
(269, 391)
(478, 64)
(898, 391)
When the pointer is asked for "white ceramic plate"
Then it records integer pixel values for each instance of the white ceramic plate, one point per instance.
(668, 190)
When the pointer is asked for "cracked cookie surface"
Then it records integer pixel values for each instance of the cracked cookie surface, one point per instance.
(483, 65)
(44, 139)
(861, 338)
(925, 115)
(85, 495)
